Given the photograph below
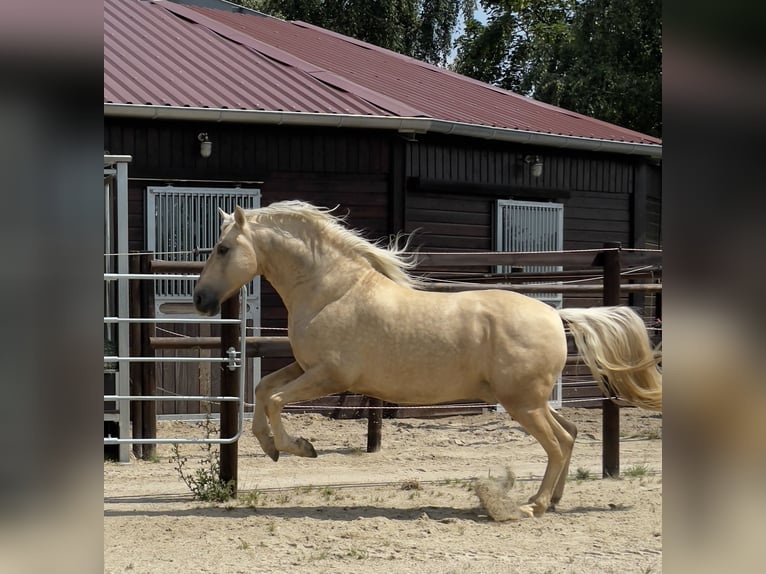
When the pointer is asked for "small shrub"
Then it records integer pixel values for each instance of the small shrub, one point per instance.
(204, 483)
(252, 498)
(357, 554)
(582, 474)
(327, 492)
(636, 471)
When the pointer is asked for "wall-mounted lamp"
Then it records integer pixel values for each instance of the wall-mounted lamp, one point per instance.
(409, 135)
(205, 145)
(537, 164)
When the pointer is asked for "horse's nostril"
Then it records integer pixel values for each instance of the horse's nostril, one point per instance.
(199, 301)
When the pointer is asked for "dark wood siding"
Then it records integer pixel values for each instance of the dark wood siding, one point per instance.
(592, 218)
(453, 191)
(442, 188)
(654, 210)
(444, 222)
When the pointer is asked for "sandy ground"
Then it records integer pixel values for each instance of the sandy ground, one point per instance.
(408, 508)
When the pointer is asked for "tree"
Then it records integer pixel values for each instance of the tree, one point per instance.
(614, 63)
(422, 29)
(602, 58)
(519, 47)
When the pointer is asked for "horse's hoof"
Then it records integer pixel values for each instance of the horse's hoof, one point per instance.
(272, 451)
(306, 448)
(268, 446)
(537, 509)
(526, 511)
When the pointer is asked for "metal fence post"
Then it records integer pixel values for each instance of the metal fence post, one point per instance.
(148, 408)
(610, 411)
(136, 369)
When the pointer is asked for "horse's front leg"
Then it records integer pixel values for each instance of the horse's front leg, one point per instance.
(266, 387)
(312, 384)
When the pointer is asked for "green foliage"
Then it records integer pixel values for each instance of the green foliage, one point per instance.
(204, 482)
(252, 498)
(582, 474)
(636, 471)
(601, 58)
(520, 44)
(110, 350)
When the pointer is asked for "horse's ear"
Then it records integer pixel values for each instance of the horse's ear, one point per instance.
(239, 217)
(223, 214)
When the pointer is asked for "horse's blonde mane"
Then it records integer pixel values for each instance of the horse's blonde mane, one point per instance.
(390, 261)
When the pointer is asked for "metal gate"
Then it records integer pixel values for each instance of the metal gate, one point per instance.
(180, 220)
(529, 226)
(117, 356)
(233, 360)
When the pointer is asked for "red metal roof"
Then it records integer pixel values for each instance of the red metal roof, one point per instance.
(173, 55)
(154, 57)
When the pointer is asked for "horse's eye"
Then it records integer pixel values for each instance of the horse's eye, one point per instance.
(222, 250)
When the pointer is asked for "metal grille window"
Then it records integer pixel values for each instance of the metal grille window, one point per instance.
(182, 219)
(531, 226)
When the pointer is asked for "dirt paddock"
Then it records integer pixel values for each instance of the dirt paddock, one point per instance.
(408, 508)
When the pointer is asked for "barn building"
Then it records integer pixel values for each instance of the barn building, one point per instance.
(219, 106)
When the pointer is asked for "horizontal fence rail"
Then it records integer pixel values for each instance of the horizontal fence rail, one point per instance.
(178, 320)
(590, 271)
(116, 359)
(151, 276)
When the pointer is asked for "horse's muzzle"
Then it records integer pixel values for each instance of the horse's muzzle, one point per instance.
(206, 302)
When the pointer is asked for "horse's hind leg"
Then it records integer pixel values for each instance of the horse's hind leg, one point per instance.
(541, 424)
(267, 386)
(570, 429)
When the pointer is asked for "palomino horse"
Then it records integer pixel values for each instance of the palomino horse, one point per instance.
(358, 322)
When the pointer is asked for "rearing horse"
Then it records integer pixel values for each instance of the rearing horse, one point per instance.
(357, 321)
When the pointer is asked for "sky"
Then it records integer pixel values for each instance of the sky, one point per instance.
(481, 16)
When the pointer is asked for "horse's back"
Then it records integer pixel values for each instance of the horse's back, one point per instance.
(395, 342)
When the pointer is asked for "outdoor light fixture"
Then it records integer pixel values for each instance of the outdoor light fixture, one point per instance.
(537, 164)
(409, 135)
(205, 145)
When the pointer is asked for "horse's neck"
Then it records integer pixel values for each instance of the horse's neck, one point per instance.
(307, 275)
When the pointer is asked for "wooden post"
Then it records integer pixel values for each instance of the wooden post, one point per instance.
(610, 426)
(374, 425)
(148, 408)
(136, 369)
(229, 387)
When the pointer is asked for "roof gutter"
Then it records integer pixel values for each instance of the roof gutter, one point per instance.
(402, 124)
(653, 151)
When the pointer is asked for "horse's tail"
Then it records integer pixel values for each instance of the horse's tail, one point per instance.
(615, 345)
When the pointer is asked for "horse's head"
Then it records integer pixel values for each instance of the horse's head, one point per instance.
(231, 264)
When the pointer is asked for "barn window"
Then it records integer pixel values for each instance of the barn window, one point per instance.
(532, 226)
(182, 219)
